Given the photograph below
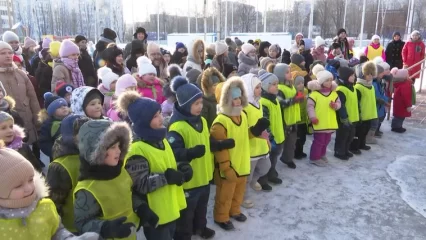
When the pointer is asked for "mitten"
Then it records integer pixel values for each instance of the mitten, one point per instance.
(314, 120)
(345, 123)
(261, 125)
(174, 177)
(196, 152)
(226, 144)
(333, 105)
(230, 175)
(146, 216)
(299, 98)
(116, 228)
(186, 169)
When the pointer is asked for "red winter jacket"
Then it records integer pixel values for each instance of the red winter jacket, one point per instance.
(402, 98)
(412, 53)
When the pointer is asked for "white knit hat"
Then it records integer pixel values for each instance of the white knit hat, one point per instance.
(247, 47)
(375, 37)
(221, 48)
(319, 41)
(321, 74)
(415, 32)
(145, 66)
(379, 61)
(4, 45)
(9, 36)
(108, 78)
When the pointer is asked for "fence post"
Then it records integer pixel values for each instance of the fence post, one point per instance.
(421, 77)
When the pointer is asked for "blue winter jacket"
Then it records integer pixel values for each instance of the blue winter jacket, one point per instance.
(381, 98)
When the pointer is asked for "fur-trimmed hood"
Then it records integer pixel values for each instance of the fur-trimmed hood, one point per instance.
(193, 53)
(315, 85)
(206, 81)
(95, 137)
(11, 102)
(223, 94)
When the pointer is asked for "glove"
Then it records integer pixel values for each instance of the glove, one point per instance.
(299, 98)
(230, 175)
(116, 228)
(346, 123)
(146, 216)
(261, 125)
(409, 109)
(86, 236)
(186, 169)
(196, 152)
(174, 177)
(226, 144)
(314, 121)
(333, 105)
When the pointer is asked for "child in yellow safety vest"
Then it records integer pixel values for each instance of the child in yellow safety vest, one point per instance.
(232, 165)
(63, 172)
(25, 211)
(151, 162)
(302, 125)
(103, 195)
(367, 105)
(347, 115)
(273, 112)
(323, 102)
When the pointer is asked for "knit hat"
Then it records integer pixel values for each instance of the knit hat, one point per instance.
(79, 38)
(322, 74)
(396, 34)
(231, 44)
(345, 73)
(14, 170)
(228, 69)
(186, 93)
(179, 45)
(140, 30)
(44, 54)
(298, 34)
(399, 74)
(342, 30)
(298, 80)
(10, 36)
(124, 82)
(174, 70)
(52, 103)
(238, 42)
(165, 52)
(280, 71)
(145, 66)
(152, 48)
(380, 69)
(102, 71)
(67, 48)
(63, 89)
(297, 59)
(211, 49)
(265, 61)
(379, 61)
(369, 68)
(16, 58)
(28, 42)
(67, 127)
(415, 32)
(319, 41)
(375, 37)
(46, 43)
(4, 116)
(167, 91)
(108, 78)
(54, 48)
(4, 45)
(192, 75)
(246, 48)
(221, 48)
(267, 79)
(109, 34)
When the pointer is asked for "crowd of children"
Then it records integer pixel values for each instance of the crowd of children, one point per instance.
(141, 151)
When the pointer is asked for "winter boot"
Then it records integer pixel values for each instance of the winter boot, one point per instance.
(256, 186)
(227, 226)
(275, 180)
(240, 217)
(356, 152)
(349, 154)
(319, 163)
(300, 156)
(266, 187)
(398, 130)
(370, 137)
(247, 204)
(291, 164)
(324, 158)
(365, 147)
(378, 134)
(341, 156)
(206, 233)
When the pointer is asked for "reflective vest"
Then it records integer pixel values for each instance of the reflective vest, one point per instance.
(202, 167)
(42, 223)
(368, 102)
(326, 115)
(258, 145)
(71, 163)
(114, 196)
(275, 118)
(168, 200)
(291, 113)
(240, 154)
(373, 53)
(351, 103)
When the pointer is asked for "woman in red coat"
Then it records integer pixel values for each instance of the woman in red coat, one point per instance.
(412, 53)
(402, 98)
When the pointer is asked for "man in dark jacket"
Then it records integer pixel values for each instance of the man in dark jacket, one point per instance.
(140, 35)
(44, 72)
(394, 50)
(85, 63)
(107, 37)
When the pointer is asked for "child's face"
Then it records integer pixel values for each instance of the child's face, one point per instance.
(258, 90)
(181, 50)
(300, 87)
(119, 59)
(196, 107)
(337, 52)
(149, 77)
(94, 109)
(252, 53)
(14, 45)
(376, 41)
(327, 84)
(166, 58)
(236, 102)
(157, 121)
(396, 37)
(62, 112)
(288, 74)
(266, 50)
(273, 88)
(113, 155)
(6, 131)
(380, 76)
(273, 53)
(19, 65)
(68, 97)
(112, 85)
(352, 78)
(74, 56)
(132, 88)
(25, 189)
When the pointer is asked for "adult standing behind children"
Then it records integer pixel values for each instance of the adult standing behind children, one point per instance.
(412, 53)
(394, 51)
(85, 62)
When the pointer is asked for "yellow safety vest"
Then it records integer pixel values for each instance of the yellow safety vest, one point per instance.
(326, 115)
(368, 102)
(114, 196)
(168, 200)
(291, 113)
(203, 166)
(351, 103)
(42, 223)
(373, 53)
(71, 164)
(303, 112)
(240, 154)
(275, 118)
(258, 145)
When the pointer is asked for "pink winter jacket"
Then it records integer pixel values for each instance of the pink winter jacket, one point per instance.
(107, 97)
(112, 113)
(153, 90)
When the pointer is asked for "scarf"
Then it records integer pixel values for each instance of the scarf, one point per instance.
(148, 134)
(364, 82)
(98, 172)
(77, 76)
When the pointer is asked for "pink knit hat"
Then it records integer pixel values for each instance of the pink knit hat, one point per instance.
(124, 82)
(400, 74)
(46, 43)
(28, 42)
(67, 48)
(247, 47)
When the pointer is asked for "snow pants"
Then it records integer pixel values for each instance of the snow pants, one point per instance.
(362, 129)
(273, 157)
(193, 217)
(302, 131)
(344, 137)
(289, 144)
(161, 232)
(319, 145)
(229, 197)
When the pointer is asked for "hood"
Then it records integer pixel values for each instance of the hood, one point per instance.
(242, 58)
(11, 102)
(192, 50)
(250, 82)
(206, 81)
(42, 116)
(95, 137)
(77, 99)
(223, 94)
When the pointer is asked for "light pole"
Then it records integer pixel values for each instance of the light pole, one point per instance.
(344, 16)
(311, 19)
(362, 24)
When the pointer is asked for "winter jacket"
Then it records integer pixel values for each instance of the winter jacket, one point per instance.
(193, 60)
(34, 82)
(179, 58)
(246, 63)
(209, 111)
(49, 132)
(318, 54)
(309, 59)
(402, 98)
(128, 49)
(344, 46)
(87, 68)
(394, 53)
(97, 54)
(232, 58)
(285, 58)
(43, 75)
(375, 47)
(60, 74)
(412, 53)
(153, 90)
(294, 48)
(18, 86)
(107, 97)
(381, 98)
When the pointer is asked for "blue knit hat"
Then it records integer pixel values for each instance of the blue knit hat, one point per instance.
(63, 89)
(67, 127)
(179, 45)
(186, 93)
(267, 79)
(52, 103)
